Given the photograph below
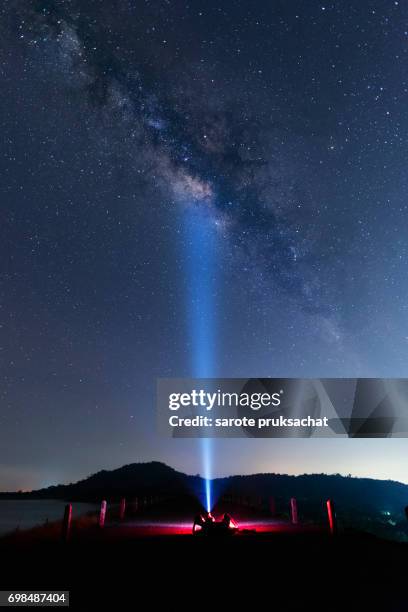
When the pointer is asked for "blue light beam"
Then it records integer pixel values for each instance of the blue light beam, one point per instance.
(201, 314)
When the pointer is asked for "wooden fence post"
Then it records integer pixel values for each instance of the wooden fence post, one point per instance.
(102, 514)
(272, 506)
(66, 523)
(294, 511)
(122, 509)
(331, 515)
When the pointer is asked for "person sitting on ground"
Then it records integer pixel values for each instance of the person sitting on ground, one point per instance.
(198, 522)
(203, 522)
(226, 520)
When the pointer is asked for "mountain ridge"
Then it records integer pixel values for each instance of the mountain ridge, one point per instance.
(157, 478)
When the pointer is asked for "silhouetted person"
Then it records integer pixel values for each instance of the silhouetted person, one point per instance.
(205, 523)
(226, 520)
(209, 520)
(198, 522)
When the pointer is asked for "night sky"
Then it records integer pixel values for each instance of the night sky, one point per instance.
(247, 158)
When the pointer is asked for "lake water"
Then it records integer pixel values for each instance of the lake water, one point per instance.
(31, 512)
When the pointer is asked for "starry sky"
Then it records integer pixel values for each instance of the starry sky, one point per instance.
(164, 157)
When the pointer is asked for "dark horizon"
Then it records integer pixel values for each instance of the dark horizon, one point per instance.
(198, 475)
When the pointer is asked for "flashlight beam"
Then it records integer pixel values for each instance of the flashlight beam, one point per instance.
(200, 241)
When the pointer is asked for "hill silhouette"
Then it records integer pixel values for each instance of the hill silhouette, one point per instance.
(130, 480)
(384, 498)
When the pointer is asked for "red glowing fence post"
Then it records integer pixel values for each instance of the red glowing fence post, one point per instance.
(102, 514)
(122, 509)
(331, 515)
(294, 511)
(66, 523)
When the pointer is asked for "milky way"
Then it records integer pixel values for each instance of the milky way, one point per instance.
(203, 150)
